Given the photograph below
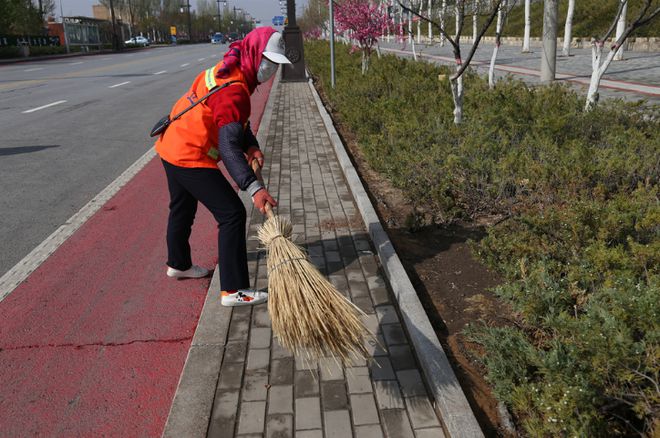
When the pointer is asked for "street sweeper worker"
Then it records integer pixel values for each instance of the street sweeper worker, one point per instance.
(190, 148)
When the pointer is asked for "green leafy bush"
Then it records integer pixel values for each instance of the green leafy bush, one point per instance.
(580, 250)
(47, 50)
(9, 52)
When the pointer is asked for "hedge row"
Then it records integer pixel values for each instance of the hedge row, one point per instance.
(580, 250)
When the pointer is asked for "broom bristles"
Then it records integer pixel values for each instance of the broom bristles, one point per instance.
(309, 316)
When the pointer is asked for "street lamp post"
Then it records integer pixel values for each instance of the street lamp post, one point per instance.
(219, 28)
(187, 6)
(294, 72)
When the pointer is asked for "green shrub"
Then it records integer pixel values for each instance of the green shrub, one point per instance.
(47, 50)
(580, 250)
(9, 52)
(518, 147)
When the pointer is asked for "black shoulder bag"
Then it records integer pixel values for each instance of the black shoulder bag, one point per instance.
(163, 123)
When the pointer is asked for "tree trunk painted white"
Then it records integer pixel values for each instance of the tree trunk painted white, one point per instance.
(457, 96)
(549, 52)
(475, 17)
(412, 39)
(498, 33)
(528, 26)
(620, 28)
(443, 14)
(568, 29)
(429, 13)
(401, 21)
(365, 62)
(597, 71)
(419, 24)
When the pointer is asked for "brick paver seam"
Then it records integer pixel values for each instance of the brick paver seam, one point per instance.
(349, 226)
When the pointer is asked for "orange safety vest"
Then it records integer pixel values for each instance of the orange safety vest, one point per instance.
(192, 140)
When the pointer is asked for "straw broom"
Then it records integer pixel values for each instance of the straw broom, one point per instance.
(309, 316)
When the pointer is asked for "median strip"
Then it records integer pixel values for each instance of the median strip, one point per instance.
(120, 84)
(44, 106)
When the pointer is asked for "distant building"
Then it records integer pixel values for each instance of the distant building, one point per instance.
(100, 12)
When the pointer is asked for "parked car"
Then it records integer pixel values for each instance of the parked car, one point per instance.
(233, 36)
(218, 38)
(137, 41)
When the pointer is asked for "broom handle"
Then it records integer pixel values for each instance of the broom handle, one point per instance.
(257, 172)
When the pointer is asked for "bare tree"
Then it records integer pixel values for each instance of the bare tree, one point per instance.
(528, 26)
(599, 64)
(443, 14)
(620, 27)
(501, 18)
(568, 29)
(456, 80)
(549, 52)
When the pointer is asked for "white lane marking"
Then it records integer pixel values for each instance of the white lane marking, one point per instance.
(76, 63)
(201, 59)
(160, 72)
(120, 84)
(34, 69)
(17, 274)
(42, 107)
(185, 65)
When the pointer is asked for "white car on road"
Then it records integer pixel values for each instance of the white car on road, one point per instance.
(138, 41)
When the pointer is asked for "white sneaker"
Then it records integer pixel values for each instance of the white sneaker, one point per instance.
(244, 297)
(194, 272)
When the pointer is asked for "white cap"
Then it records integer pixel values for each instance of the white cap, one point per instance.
(275, 49)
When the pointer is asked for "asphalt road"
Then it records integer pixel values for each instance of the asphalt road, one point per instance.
(70, 126)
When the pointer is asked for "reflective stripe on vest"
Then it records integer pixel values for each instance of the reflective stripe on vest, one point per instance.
(209, 76)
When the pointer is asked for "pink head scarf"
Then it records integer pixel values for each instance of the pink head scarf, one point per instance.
(246, 54)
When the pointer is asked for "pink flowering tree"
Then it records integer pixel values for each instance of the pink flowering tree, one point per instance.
(364, 22)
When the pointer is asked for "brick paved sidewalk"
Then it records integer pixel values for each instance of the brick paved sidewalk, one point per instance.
(260, 389)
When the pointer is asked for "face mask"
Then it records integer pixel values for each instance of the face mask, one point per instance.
(267, 69)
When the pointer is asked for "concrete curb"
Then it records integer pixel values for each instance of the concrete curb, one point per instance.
(192, 405)
(450, 400)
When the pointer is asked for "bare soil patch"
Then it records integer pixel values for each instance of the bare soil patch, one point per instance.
(453, 286)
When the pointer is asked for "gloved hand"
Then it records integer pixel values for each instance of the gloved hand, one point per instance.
(260, 198)
(254, 153)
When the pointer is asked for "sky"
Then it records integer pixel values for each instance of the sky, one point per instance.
(263, 10)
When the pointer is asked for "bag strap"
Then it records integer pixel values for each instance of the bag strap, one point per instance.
(206, 96)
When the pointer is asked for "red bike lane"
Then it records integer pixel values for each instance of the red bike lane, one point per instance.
(94, 341)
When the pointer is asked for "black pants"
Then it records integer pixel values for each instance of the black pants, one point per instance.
(211, 188)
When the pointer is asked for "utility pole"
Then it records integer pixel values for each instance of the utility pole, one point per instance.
(189, 22)
(294, 72)
(549, 51)
(66, 38)
(332, 43)
(219, 28)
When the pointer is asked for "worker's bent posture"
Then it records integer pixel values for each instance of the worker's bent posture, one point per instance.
(190, 148)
